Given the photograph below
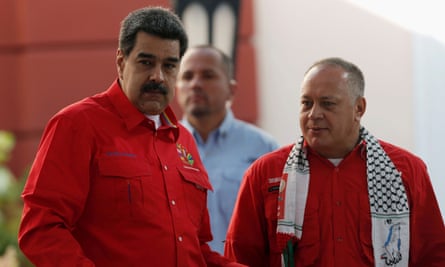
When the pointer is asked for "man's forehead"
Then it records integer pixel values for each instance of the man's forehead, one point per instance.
(152, 56)
(148, 45)
(198, 65)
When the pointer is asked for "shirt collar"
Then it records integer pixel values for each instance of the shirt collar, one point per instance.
(222, 130)
(359, 148)
(130, 114)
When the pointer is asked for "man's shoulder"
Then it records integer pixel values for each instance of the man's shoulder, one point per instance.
(252, 131)
(80, 113)
(248, 126)
(87, 104)
(268, 166)
(277, 156)
(400, 155)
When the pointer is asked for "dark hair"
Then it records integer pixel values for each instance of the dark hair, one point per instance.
(225, 59)
(157, 21)
(355, 78)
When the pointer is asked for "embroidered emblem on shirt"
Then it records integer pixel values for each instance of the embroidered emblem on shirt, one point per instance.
(185, 156)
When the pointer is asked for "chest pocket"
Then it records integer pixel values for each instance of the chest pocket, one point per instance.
(195, 192)
(365, 228)
(308, 248)
(120, 185)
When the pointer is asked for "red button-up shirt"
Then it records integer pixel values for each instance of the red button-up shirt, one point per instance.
(108, 189)
(337, 221)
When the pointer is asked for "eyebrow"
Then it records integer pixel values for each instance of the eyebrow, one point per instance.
(322, 98)
(151, 56)
(327, 97)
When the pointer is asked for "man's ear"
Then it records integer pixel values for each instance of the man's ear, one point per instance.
(360, 108)
(233, 87)
(120, 63)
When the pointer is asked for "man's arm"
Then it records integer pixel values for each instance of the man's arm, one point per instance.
(54, 196)
(246, 241)
(427, 246)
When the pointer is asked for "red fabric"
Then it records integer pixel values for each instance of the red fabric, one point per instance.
(106, 189)
(337, 223)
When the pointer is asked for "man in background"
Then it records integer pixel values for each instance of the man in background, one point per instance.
(227, 146)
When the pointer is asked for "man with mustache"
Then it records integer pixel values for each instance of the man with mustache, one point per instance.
(117, 181)
(338, 196)
(227, 145)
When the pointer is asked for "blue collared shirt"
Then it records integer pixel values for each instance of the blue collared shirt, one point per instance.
(228, 152)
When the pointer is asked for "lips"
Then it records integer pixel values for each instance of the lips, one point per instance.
(152, 93)
(316, 129)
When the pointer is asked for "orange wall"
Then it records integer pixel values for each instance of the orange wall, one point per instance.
(54, 52)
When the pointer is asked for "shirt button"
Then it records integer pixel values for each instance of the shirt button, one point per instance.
(339, 239)
(165, 167)
(338, 203)
(173, 202)
(180, 238)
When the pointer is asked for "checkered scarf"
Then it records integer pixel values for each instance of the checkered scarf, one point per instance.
(387, 198)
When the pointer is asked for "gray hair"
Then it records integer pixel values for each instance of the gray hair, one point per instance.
(355, 79)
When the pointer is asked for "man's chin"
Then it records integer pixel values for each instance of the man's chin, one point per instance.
(151, 108)
(315, 143)
(197, 111)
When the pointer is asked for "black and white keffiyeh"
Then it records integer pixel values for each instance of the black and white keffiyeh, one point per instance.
(387, 197)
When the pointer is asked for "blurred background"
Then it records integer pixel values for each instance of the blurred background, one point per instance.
(53, 53)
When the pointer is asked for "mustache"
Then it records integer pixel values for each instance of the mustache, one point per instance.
(153, 87)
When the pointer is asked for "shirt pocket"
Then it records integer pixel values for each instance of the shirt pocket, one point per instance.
(195, 192)
(270, 195)
(365, 229)
(121, 184)
(308, 248)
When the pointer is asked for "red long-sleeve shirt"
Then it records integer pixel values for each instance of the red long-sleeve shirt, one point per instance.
(107, 189)
(337, 221)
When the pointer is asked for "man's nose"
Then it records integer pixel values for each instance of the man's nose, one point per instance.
(157, 75)
(196, 83)
(316, 112)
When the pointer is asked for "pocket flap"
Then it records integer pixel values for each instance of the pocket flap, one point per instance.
(195, 176)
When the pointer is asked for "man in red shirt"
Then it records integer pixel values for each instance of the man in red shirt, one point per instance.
(117, 181)
(338, 196)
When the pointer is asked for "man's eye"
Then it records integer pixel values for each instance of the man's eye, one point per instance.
(306, 103)
(328, 104)
(170, 66)
(208, 76)
(145, 62)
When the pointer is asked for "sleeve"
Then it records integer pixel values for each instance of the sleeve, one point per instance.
(55, 194)
(427, 246)
(246, 240)
(212, 258)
